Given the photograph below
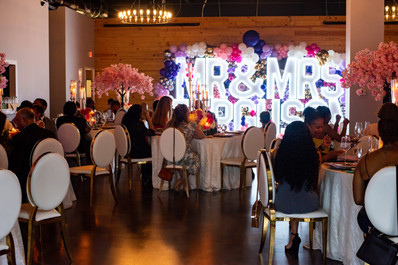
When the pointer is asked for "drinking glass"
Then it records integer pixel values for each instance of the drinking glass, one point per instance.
(367, 123)
(345, 145)
(358, 150)
(373, 144)
(358, 129)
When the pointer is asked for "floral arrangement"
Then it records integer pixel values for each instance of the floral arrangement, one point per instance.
(373, 70)
(87, 113)
(203, 119)
(123, 79)
(3, 65)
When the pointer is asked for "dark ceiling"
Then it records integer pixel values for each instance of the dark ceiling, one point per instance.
(211, 8)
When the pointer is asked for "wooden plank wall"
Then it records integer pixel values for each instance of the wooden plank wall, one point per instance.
(143, 46)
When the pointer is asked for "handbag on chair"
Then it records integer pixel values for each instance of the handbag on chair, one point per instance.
(377, 249)
(256, 210)
(166, 173)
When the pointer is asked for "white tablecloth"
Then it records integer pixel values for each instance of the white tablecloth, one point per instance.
(18, 245)
(210, 151)
(344, 234)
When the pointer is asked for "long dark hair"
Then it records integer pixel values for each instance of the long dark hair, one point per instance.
(133, 114)
(297, 161)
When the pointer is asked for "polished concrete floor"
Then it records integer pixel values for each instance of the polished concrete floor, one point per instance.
(147, 228)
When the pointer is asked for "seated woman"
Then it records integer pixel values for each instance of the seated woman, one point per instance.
(374, 161)
(190, 131)
(296, 170)
(322, 141)
(70, 111)
(162, 113)
(327, 129)
(265, 119)
(140, 147)
(39, 115)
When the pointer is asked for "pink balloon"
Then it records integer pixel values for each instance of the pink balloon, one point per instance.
(228, 50)
(173, 48)
(216, 50)
(223, 46)
(224, 56)
(277, 46)
(234, 46)
(279, 57)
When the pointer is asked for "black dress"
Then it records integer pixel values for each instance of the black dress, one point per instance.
(140, 147)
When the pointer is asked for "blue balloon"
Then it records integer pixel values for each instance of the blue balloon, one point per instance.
(258, 48)
(163, 72)
(262, 43)
(168, 63)
(251, 37)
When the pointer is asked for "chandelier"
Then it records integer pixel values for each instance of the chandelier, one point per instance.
(155, 14)
(391, 12)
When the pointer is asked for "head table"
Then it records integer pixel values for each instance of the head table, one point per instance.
(210, 151)
(336, 198)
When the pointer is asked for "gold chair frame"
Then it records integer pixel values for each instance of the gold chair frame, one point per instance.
(242, 166)
(32, 223)
(92, 176)
(270, 217)
(10, 250)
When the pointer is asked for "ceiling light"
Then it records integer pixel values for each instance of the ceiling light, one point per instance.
(153, 14)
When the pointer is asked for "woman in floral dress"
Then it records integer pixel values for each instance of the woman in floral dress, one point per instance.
(190, 131)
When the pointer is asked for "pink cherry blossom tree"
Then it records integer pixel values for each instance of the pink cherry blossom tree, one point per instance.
(122, 78)
(373, 70)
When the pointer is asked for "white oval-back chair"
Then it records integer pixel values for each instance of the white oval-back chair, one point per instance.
(266, 191)
(10, 205)
(381, 202)
(270, 135)
(173, 146)
(3, 158)
(102, 154)
(252, 141)
(47, 145)
(69, 137)
(123, 148)
(46, 188)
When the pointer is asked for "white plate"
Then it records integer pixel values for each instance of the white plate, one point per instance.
(347, 165)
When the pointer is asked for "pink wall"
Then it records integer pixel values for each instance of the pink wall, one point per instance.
(24, 38)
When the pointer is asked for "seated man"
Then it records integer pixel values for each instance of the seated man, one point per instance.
(23, 143)
(118, 111)
(49, 124)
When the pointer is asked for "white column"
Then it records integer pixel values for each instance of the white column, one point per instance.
(364, 29)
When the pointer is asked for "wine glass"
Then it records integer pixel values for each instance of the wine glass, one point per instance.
(358, 129)
(345, 146)
(358, 150)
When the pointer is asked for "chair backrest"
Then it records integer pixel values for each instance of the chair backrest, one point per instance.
(48, 181)
(122, 139)
(10, 201)
(3, 158)
(275, 144)
(381, 201)
(103, 148)
(47, 145)
(252, 141)
(270, 136)
(265, 181)
(167, 140)
(69, 137)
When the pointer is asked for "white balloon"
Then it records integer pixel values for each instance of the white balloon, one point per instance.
(202, 45)
(291, 47)
(303, 44)
(201, 53)
(249, 50)
(195, 47)
(242, 47)
(255, 57)
(290, 53)
(331, 52)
